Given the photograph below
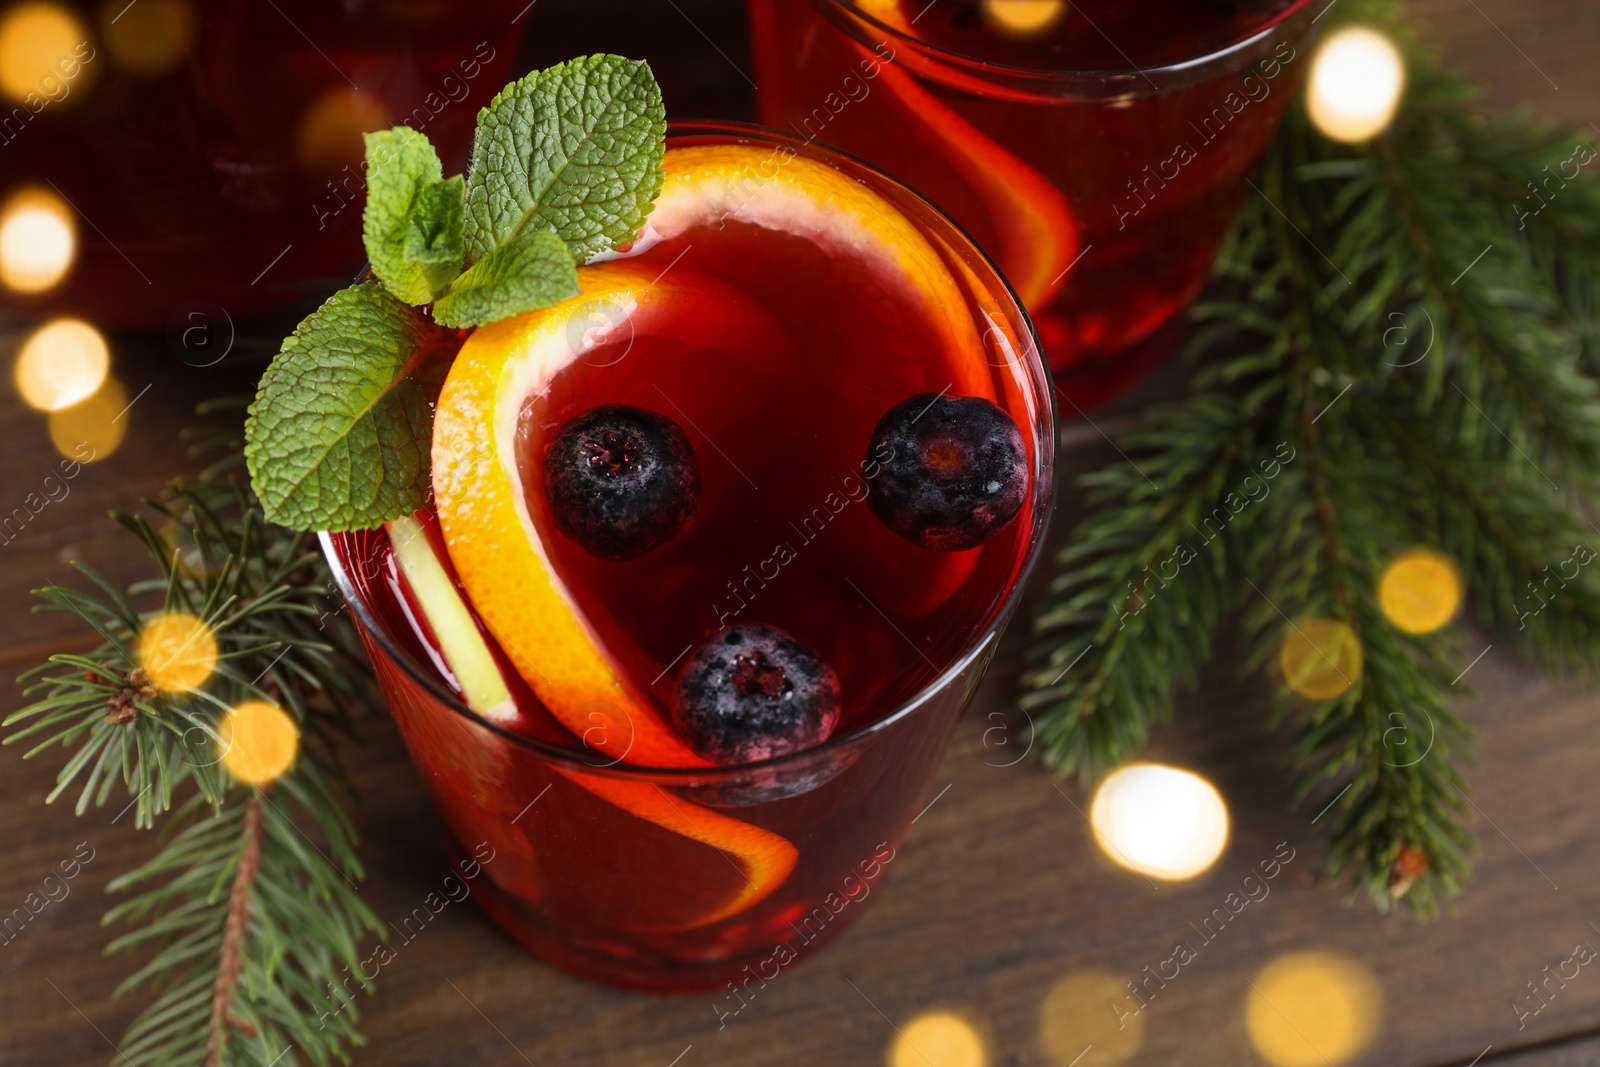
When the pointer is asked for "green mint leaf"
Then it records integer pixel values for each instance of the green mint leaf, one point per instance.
(532, 270)
(576, 149)
(434, 237)
(339, 435)
(402, 168)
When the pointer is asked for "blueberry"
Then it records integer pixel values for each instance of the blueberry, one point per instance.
(621, 480)
(953, 470)
(752, 692)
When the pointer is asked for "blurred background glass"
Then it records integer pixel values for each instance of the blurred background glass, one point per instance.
(159, 153)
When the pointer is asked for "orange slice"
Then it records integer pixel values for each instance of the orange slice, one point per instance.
(493, 539)
(1038, 236)
(775, 189)
(764, 858)
(493, 534)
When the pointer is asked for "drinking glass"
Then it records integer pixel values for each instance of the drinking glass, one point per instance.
(179, 161)
(573, 874)
(1102, 194)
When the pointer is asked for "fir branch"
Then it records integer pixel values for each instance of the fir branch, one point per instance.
(1429, 395)
(249, 922)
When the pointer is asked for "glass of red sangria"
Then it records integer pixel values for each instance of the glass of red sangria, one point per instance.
(684, 737)
(1098, 150)
(174, 155)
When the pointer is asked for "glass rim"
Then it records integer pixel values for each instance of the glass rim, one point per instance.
(1043, 508)
(1134, 75)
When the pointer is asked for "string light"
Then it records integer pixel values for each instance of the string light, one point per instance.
(1320, 658)
(92, 430)
(177, 651)
(38, 241)
(939, 1039)
(259, 741)
(62, 363)
(37, 41)
(1419, 592)
(1355, 83)
(1023, 16)
(1159, 821)
(1312, 1009)
(1089, 1019)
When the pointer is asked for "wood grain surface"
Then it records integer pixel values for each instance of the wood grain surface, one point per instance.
(998, 895)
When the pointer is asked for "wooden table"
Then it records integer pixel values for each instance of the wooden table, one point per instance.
(999, 893)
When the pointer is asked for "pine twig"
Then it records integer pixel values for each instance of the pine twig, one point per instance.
(1476, 447)
(230, 960)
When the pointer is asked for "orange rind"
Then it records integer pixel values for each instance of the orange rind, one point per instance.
(1038, 235)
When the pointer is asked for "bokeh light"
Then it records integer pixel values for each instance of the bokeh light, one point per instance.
(93, 429)
(147, 38)
(1320, 658)
(1159, 821)
(62, 363)
(38, 44)
(939, 1039)
(1079, 1027)
(1024, 16)
(259, 741)
(330, 133)
(38, 240)
(1354, 88)
(1419, 591)
(1313, 1009)
(177, 651)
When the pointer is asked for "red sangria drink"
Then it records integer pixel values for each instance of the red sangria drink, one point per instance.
(717, 552)
(1097, 150)
(169, 156)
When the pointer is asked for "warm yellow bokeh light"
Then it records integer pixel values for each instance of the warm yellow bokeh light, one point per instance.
(62, 363)
(259, 741)
(92, 429)
(1024, 16)
(1313, 1009)
(177, 651)
(36, 39)
(1355, 84)
(149, 37)
(38, 240)
(1159, 821)
(1088, 1020)
(939, 1039)
(1419, 592)
(330, 134)
(1320, 658)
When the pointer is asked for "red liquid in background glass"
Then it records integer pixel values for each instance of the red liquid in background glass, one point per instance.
(1150, 168)
(211, 151)
(780, 419)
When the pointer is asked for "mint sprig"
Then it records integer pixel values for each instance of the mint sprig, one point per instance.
(338, 435)
(412, 224)
(566, 163)
(532, 270)
(575, 149)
